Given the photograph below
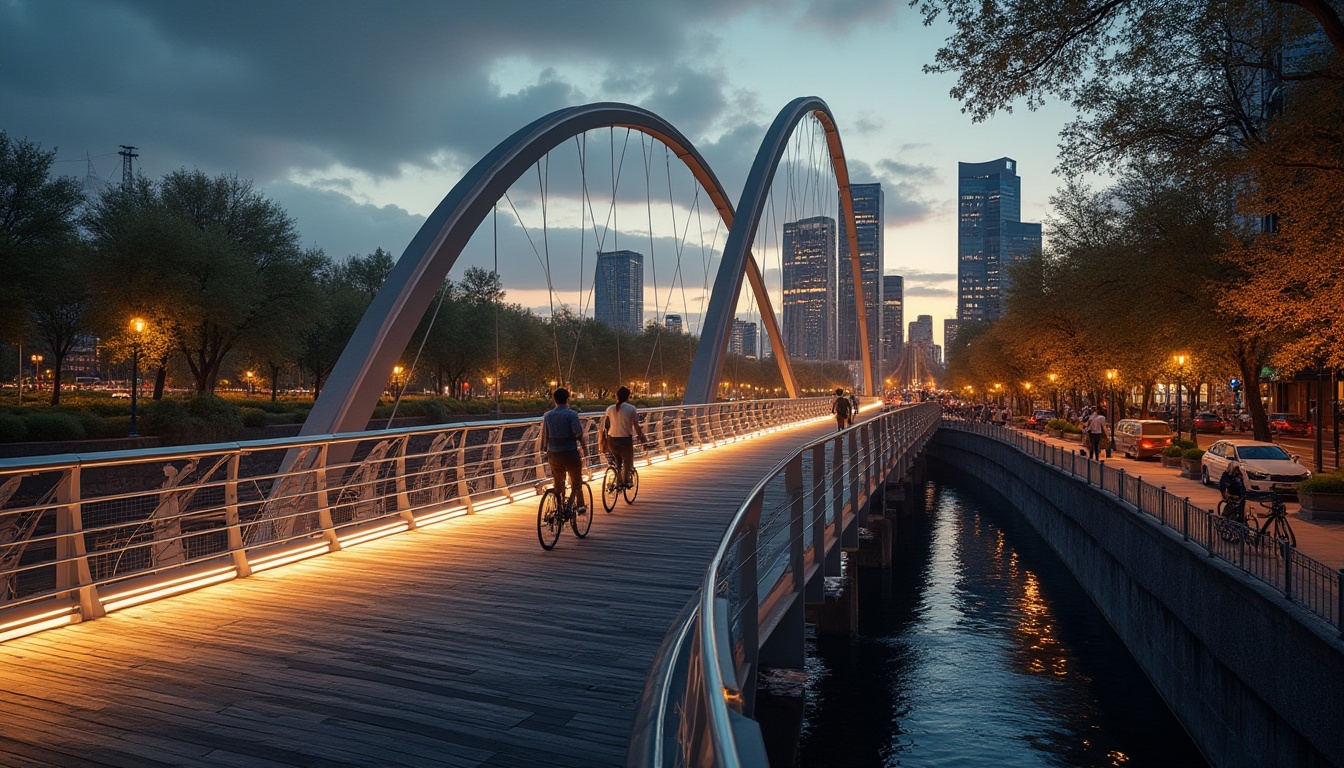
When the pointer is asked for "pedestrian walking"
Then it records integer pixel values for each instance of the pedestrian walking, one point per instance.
(842, 409)
(1095, 427)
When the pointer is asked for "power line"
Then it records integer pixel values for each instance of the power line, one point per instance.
(127, 172)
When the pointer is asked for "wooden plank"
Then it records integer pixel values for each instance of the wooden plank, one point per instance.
(458, 644)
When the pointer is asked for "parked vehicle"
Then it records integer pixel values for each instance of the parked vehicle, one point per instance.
(1264, 466)
(1141, 438)
(1289, 424)
(1208, 421)
(1039, 419)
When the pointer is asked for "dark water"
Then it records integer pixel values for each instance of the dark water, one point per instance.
(980, 649)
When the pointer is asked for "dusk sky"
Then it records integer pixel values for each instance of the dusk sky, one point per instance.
(359, 117)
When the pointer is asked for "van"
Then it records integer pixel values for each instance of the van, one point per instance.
(1141, 438)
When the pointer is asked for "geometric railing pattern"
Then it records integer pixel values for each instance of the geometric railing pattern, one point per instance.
(84, 535)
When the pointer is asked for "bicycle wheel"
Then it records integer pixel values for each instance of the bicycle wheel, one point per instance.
(549, 520)
(632, 490)
(1282, 531)
(610, 488)
(582, 518)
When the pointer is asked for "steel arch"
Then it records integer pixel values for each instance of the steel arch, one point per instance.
(361, 372)
(707, 366)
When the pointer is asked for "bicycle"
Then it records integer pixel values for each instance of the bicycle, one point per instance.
(553, 513)
(611, 485)
(1275, 523)
(1232, 521)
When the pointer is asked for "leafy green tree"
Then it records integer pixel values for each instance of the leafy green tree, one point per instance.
(60, 308)
(37, 214)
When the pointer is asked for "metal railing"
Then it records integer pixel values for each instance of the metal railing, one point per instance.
(81, 535)
(1298, 577)
(777, 547)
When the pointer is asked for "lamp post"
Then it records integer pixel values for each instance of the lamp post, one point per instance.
(1026, 385)
(1110, 398)
(37, 372)
(250, 374)
(664, 399)
(1180, 361)
(1054, 392)
(396, 381)
(138, 331)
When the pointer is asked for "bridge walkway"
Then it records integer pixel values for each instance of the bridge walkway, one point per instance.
(460, 644)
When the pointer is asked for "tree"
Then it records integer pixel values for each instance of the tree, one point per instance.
(210, 258)
(37, 213)
(60, 307)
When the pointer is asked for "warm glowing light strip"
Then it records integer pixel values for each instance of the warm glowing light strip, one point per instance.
(494, 503)
(63, 610)
(171, 582)
(438, 517)
(275, 561)
(376, 533)
(170, 589)
(67, 617)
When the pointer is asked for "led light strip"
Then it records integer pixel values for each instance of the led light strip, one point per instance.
(276, 561)
(173, 587)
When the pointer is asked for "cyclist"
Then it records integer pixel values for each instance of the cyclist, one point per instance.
(842, 409)
(620, 426)
(562, 437)
(1233, 489)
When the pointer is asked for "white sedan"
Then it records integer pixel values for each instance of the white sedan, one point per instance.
(1264, 466)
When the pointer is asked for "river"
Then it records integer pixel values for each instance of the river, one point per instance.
(980, 649)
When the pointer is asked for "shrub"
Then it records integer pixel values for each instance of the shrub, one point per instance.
(1192, 454)
(220, 419)
(1331, 482)
(1183, 444)
(92, 424)
(1057, 424)
(253, 417)
(116, 426)
(54, 425)
(1072, 429)
(1173, 451)
(13, 429)
(202, 419)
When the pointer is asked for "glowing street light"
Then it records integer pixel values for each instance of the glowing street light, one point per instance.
(37, 371)
(396, 381)
(1111, 376)
(1180, 360)
(250, 388)
(138, 333)
(1054, 391)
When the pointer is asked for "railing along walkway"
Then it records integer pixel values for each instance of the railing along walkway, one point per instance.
(461, 643)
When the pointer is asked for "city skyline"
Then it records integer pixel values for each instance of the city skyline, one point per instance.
(360, 141)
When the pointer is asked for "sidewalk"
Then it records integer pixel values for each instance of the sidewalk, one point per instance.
(1320, 540)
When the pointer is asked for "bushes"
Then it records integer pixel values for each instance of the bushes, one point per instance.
(1331, 482)
(1192, 454)
(1173, 451)
(54, 425)
(202, 419)
(1183, 444)
(253, 417)
(12, 429)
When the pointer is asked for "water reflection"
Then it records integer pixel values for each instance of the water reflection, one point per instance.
(981, 649)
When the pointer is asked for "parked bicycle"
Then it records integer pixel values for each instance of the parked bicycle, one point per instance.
(612, 485)
(1236, 521)
(553, 513)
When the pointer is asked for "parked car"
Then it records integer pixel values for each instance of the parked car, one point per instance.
(1208, 421)
(1039, 419)
(1289, 424)
(1141, 438)
(1264, 466)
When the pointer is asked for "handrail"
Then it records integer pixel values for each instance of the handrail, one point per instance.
(1300, 578)
(84, 534)
(702, 686)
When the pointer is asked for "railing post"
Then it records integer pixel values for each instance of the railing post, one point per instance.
(1120, 484)
(72, 558)
(404, 496)
(1339, 602)
(324, 521)
(818, 511)
(1208, 527)
(793, 488)
(1287, 552)
(749, 611)
(231, 521)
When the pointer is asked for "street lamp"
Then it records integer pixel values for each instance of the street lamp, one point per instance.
(1180, 361)
(396, 381)
(37, 372)
(138, 331)
(1054, 391)
(1111, 376)
(250, 374)
(1027, 386)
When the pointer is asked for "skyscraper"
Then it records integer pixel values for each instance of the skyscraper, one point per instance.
(868, 226)
(893, 320)
(809, 288)
(673, 323)
(990, 235)
(921, 332)
(619, 290)
(950, 328)
(743, 339)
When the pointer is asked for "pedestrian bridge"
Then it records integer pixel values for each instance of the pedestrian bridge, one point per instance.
(384, 600)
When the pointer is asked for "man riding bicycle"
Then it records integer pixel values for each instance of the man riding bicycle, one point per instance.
(562, 439)
(620, 426)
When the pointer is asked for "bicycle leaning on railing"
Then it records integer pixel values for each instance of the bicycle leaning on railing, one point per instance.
(1235, 521)
(553, 512)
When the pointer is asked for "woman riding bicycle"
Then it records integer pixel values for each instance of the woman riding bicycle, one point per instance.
(1233, 489)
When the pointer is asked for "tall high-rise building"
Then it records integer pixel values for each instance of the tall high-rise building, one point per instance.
(868, 227)
(950, 328)
(619, 290)
(893, 321)
(809, 288)
(921, 331)
(990, 235)
(673, 323)
(743, 339)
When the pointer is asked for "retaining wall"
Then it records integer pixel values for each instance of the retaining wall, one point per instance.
(1256, 680)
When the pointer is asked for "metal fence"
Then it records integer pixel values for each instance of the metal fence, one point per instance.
(1300, 578)
(701, 689)
(81, 535)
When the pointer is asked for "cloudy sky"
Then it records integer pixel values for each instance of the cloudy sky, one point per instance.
(358, 117)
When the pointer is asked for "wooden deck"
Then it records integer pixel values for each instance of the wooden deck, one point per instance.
(460, 644)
